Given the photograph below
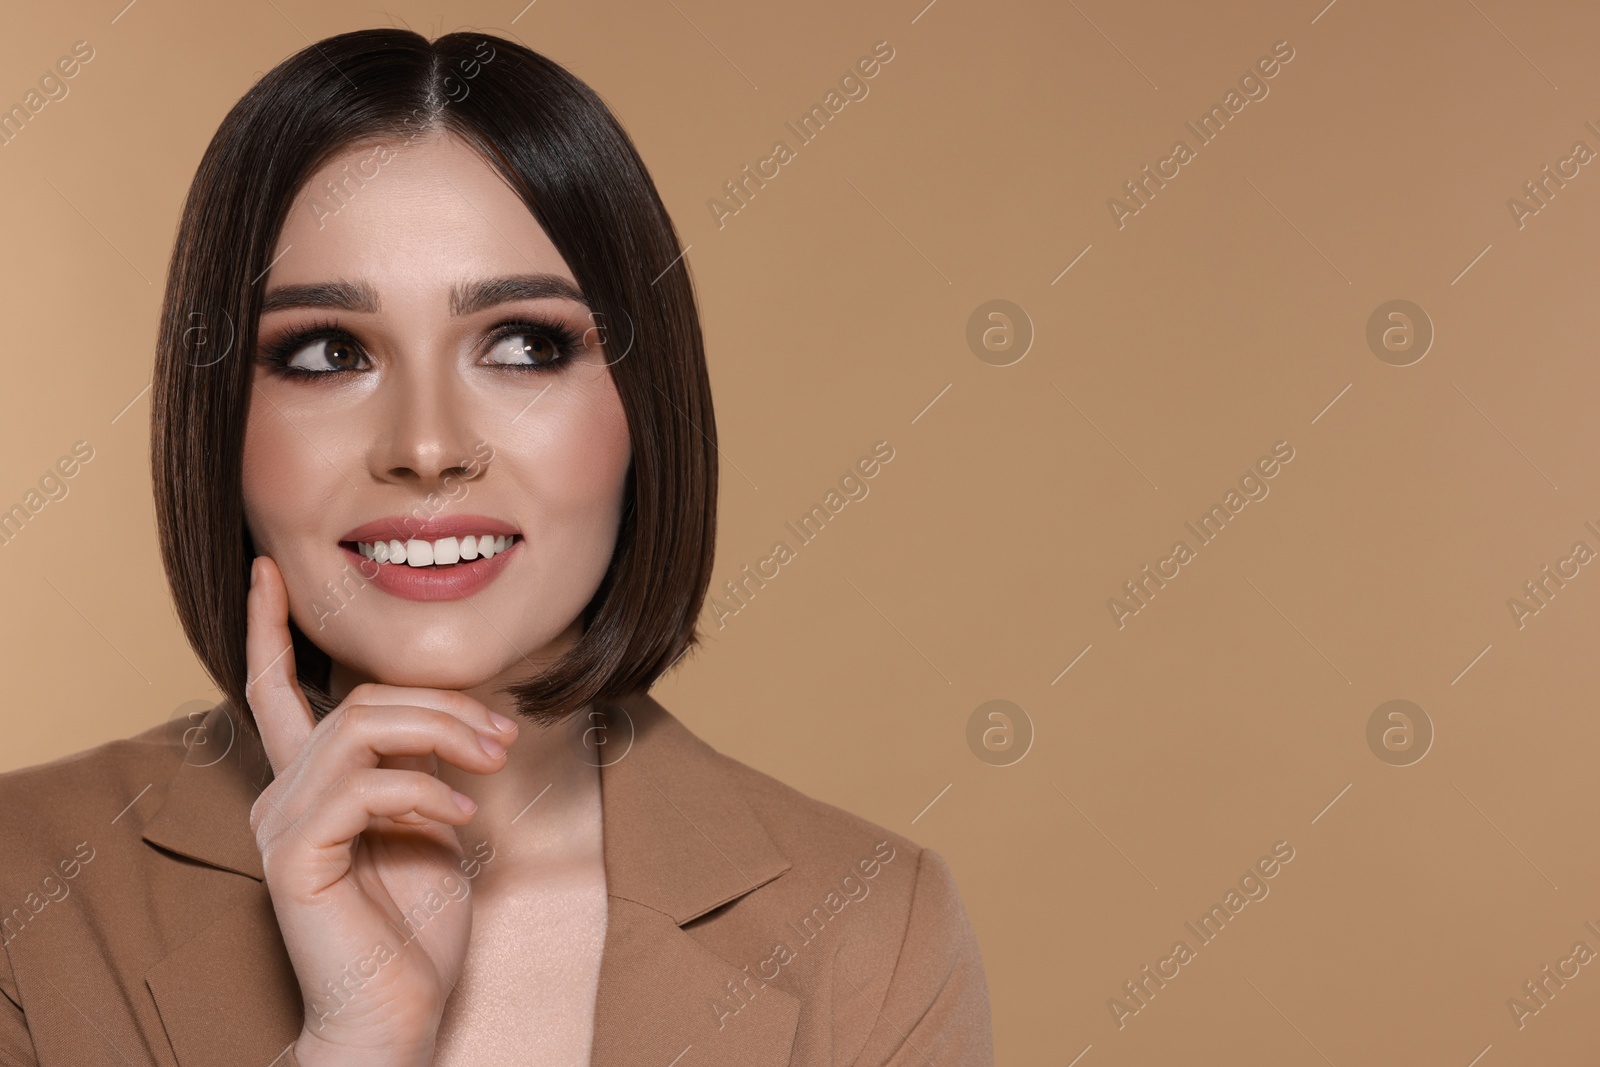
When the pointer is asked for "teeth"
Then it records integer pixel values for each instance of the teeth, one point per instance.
(443, 552)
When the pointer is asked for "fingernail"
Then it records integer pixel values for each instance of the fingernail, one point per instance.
(494, 748)
(505, 724)
(252, 574)
(464, 802)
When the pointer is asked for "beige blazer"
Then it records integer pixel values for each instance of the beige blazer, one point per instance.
(748, 924)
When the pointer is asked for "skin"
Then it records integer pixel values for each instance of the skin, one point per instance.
(427, 398)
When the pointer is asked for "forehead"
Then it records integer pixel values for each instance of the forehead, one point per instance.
(412, 219)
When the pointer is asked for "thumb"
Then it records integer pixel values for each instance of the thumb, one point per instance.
(282, 714)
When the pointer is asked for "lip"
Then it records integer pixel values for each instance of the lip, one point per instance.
(406, 527)
(456, 582)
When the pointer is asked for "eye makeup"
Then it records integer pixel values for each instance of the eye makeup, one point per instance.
(561, 343)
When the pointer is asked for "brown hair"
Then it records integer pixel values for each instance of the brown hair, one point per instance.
(558, 145)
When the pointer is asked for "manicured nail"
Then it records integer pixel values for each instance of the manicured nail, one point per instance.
(505, 724)
(464, 802)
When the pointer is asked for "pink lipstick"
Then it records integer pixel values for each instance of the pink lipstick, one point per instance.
(459, 554)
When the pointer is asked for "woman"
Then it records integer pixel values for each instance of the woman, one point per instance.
(437, 516)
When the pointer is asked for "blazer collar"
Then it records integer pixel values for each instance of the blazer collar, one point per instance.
(680, 840)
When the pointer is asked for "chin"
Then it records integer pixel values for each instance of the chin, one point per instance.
(412, 674)
(456, 665)
(459, 653)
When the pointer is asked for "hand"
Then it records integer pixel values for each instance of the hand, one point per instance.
(355, 832)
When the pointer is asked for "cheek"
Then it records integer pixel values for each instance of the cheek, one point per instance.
(262, 474)
(576, 477)
(587, 460)
(571, 476)
(280, 474)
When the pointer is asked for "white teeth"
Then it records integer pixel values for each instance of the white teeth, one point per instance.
(419, 553)
(445, 551)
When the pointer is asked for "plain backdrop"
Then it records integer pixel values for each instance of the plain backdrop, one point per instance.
(1046, 450)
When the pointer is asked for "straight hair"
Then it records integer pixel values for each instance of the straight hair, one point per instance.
(565, 154)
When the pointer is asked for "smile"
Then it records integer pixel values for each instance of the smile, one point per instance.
(442, 558)
(445, 552)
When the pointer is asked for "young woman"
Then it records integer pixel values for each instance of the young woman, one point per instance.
(435, 470)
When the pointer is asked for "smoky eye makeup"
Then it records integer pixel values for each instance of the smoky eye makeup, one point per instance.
(328, 351)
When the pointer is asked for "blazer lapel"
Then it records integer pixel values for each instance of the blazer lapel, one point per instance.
(679, 842)
(228, 993)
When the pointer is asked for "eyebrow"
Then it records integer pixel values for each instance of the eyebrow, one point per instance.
(466, 298)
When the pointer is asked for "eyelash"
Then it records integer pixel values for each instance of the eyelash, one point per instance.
(276, 355)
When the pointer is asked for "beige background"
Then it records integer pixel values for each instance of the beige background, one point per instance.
(1228, 314)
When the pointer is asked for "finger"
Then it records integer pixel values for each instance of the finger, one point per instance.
(359, 737)
(428, 764)
(348, 807)
(282, 714)
(468, 709)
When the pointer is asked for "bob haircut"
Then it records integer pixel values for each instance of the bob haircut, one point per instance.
(560, 148)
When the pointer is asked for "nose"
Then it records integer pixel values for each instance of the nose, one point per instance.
(428, 435)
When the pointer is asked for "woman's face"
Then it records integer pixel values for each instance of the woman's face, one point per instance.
(424, 414)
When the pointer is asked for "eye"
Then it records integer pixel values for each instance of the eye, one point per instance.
(536, 346)
(324, 356)
(524, 347)
(319, 350)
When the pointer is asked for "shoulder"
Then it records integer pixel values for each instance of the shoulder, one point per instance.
(836, 851)
(874, 922)
(58, 812)
(819, 837)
